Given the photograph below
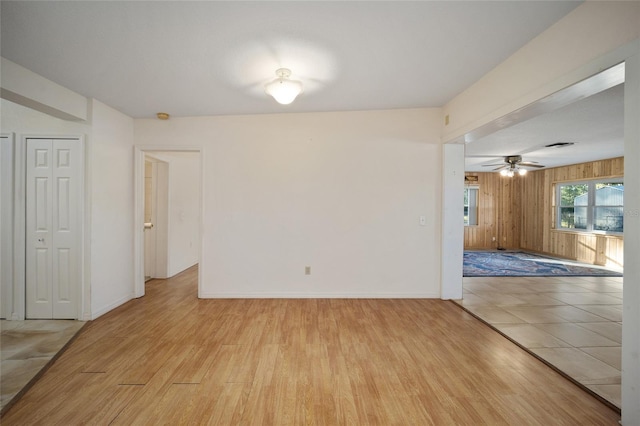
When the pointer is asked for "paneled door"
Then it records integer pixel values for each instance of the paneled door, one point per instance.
(53, 220)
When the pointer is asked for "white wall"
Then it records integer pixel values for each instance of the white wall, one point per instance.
(29, 89)
(23, 120)
(184, 211)
(340, 192)
(452, 220)
(112, 202)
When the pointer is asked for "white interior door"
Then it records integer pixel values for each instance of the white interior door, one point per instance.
(53, 205)
(156, 212)
(149, 220)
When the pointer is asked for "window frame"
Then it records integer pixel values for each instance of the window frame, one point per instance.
(590, 206)
(467, 206)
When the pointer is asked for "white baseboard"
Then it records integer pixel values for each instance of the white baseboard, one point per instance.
(99, 312)
(295, 295)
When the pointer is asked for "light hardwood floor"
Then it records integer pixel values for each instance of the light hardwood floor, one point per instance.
(170, 358)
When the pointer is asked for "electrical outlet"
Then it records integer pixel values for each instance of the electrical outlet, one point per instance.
(493, 238)
(307, 270)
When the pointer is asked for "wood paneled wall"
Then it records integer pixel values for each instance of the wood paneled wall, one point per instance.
(499, 213)
(538, 227)
(519, 213)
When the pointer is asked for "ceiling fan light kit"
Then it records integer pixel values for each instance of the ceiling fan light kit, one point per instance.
(282, 89)
(513, 165)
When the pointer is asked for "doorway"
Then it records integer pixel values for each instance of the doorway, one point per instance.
(168, 212)
(156, 191)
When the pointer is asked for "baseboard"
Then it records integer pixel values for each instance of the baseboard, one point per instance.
(295, 295)
(99, 312)
(180, 269)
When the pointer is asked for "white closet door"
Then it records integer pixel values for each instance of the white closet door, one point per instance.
(54, 173)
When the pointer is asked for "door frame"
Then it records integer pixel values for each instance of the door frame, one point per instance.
(20, 229)
(8, 211)
(140, 151)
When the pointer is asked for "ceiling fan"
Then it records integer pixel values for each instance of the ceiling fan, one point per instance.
(513, 164)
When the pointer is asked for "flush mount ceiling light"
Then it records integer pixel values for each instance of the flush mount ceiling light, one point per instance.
(283, 90)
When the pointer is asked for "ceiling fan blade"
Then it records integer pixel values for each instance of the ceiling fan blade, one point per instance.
(492, 165)
(531, 164)
(501, 167)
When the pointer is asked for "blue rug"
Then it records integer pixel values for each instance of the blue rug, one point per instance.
(521, 264)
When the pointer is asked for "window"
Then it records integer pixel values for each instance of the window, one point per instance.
(471, 205)
(591, 206)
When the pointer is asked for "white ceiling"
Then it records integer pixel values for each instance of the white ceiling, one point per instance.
(595, 125)
(214, 57)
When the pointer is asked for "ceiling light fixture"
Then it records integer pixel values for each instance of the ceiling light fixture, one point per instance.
(283, 90)
(511, 171)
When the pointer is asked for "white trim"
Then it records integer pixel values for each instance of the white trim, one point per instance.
(19, 208)
(469, 205)
(296, 295)
(84, 311)
(139, 152)
(590, 207)
(7, 222)
(630, 386)
(110, 307)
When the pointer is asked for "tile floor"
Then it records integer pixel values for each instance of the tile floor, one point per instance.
(573, 323)
(26, 347)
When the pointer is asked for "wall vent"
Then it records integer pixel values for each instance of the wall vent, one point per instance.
(559, 144)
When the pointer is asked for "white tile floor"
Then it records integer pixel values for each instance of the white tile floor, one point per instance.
(573, 323)
(28, 346)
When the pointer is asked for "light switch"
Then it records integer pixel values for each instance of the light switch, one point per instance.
(423, 220)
